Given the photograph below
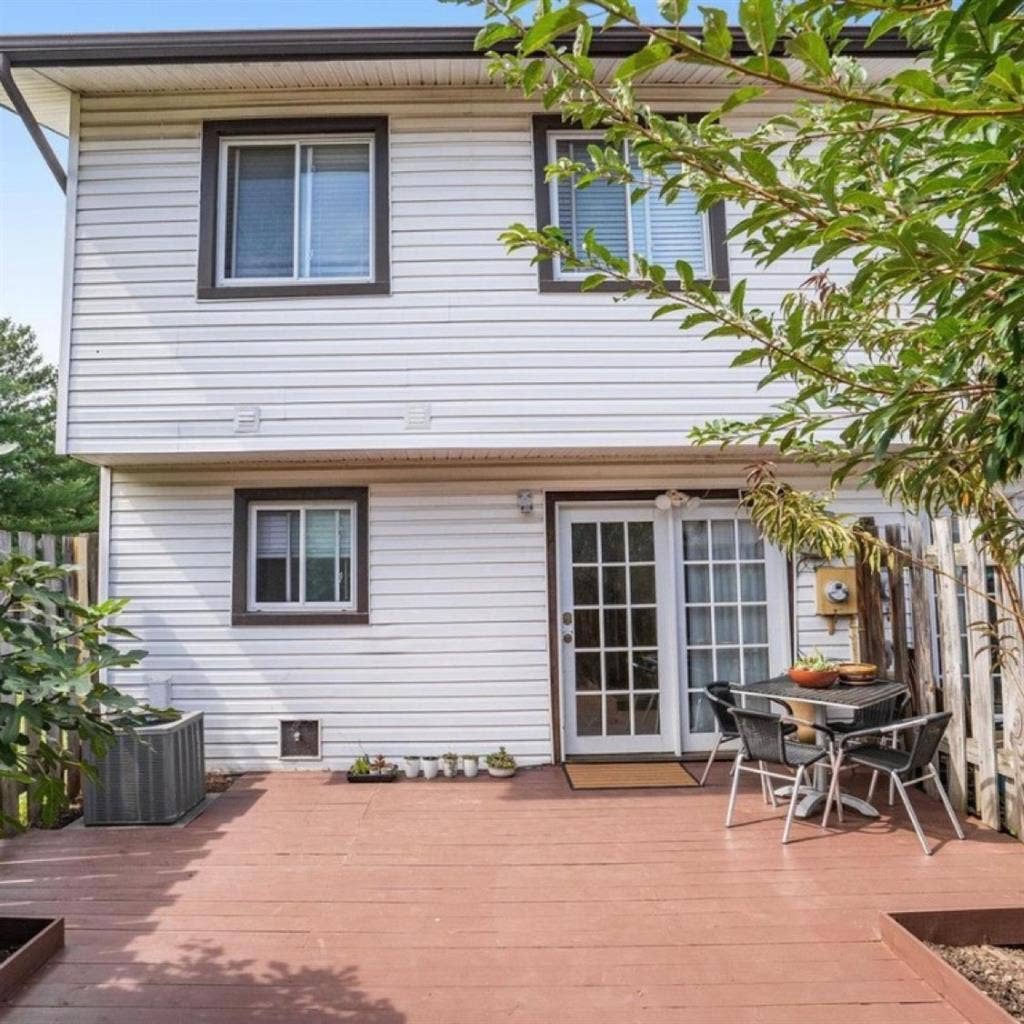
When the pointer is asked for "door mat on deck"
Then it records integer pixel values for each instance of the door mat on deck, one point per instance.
(629, 775)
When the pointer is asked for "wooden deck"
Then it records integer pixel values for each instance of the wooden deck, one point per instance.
(301, 899)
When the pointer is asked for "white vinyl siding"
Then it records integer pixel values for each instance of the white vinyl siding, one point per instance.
(156, 372)
(659, 231)
(295, 210)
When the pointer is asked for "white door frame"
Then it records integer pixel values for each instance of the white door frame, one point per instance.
(668, 739)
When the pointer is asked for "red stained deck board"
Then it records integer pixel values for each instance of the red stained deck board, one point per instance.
(296, 898)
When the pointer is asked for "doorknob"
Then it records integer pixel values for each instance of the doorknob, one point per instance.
(567, 638)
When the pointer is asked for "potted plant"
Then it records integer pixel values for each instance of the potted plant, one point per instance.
(429, 764)
(377, 770)
(501, 765)
(412, 765)
(814, 671)
(470, 765)
(450, 764)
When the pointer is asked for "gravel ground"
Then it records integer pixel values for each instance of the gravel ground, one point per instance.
(997, 970)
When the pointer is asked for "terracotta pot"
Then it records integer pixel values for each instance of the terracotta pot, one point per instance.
(814, 679)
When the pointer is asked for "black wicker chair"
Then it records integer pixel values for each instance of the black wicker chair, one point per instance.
(763, 738)
(904, 767)
(721, 700)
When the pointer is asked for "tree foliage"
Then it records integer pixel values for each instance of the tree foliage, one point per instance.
(39, 491)
(54, 651)
(899, 186)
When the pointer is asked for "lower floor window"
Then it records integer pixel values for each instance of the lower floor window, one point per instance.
(302, 555)
(300, 552)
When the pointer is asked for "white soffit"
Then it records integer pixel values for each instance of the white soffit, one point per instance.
(48, 100)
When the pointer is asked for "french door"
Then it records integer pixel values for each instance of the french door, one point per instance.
(614, 634)
(653, 606)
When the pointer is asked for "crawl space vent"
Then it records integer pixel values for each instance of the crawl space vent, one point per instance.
(300, 738)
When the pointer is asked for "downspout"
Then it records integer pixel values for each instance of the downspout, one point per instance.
(28, 119)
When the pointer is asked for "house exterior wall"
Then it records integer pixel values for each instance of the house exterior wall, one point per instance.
(455, 655)
(153, 371)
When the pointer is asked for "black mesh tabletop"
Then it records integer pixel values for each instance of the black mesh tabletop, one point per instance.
(839, 695)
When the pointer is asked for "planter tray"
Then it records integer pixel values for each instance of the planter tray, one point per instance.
(39, 938)
(374, 776)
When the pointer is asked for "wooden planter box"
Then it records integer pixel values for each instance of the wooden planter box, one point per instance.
(38, 937)
(907, 933)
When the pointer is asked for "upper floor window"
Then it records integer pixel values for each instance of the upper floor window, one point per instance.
(660, 232)
(294, 207)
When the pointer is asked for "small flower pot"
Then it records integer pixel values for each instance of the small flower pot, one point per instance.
(814, 679)
(500, 773)
(450, 768)
(429, 767)
(470, 767)
(412, 767)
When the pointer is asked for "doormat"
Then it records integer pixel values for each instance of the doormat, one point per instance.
(629, 775)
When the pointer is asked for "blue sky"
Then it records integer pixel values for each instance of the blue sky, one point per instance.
(31, 204)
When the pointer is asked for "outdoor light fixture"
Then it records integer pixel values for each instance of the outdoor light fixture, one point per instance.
(525, 499)
(676, 499)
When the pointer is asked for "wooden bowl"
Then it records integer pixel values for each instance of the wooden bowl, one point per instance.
(814, 679)
(858, 671)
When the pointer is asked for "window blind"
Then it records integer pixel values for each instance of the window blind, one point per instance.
(260, 211)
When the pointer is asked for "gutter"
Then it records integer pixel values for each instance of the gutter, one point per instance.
(28, 119)
(112, 48)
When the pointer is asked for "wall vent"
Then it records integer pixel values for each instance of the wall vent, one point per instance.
(247, 419)
(300, 739)
(417, 416)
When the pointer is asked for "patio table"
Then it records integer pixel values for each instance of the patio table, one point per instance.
(839, 695)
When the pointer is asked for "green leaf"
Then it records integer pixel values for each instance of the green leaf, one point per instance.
(717, 39)
(549, 27)
(1004, 76)
(673, 11)
(490, 35)
(759, 24)
(651, 56)
(533, 76)
(759, 167)
(810, 49)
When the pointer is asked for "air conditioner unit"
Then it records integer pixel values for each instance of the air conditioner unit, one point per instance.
(151, 775)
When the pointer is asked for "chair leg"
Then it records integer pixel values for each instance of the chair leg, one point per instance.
(871, 786)
(839, 791)
(735, 786)
(944, 797)
(833, 793)
(910, 812)
(767, 788)
(711, 759)
(892, 788)
(798, 778)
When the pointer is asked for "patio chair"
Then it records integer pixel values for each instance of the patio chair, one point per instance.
(721, 700)
(763, 738)
(905, 767)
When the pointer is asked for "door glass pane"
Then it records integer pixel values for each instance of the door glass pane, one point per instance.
(723, 540)
(751, 544)
(752, 583)
(616, 629)
(727, 628)
(700, 668)
(617, 712)
(588, 627)
(724, 577)
(616, 670)
(276, 548)
(728, 664)
(698, 625)
(614, 578)
(641, 581)
(588, 716)
(259, 212)
(646, 710)
(645, 670)
(755, 664)
(334, 211)
(695, 540)
(645, 627)
(588, 671)
(584, 542)
(584, 584)
(613, 542)
(695, 578)
(702, 718)
(755, 624)
(641, 542)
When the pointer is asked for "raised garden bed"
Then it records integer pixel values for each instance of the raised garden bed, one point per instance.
(974, 958)
(26, 943)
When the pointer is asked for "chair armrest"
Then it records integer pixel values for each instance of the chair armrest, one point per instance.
(885, 730)
(823, 729)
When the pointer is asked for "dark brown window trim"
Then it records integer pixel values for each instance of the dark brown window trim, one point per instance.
(214, 131)
(240, 613)
(545, 123)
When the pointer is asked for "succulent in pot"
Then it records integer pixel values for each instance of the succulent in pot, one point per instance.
(429, 765)
(470, 765)
(501, 765)
(814, 671)
(412, 765)
(450, 764)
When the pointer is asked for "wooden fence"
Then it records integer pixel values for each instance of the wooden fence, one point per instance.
(935, 619)
(81, 551)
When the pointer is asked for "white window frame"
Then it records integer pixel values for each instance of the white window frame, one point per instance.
(297, 142)
(301, 604)
(578, 275)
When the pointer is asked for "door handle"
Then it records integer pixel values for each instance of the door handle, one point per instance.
(567, 638)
